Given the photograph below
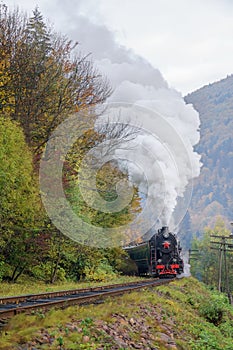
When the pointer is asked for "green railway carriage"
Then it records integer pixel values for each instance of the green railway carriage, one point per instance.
(141, 255)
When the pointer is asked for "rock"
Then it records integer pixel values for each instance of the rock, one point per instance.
(164, 337)
(73, 327)
(137, 346)
(144, 335)
(112, 332)
(120, 342)
(39, 341)
(166, 329)
(132, 321)
(123, 322)
(106, 328)
(86, 339)
(45, 339)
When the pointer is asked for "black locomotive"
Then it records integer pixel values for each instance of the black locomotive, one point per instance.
(159, 256)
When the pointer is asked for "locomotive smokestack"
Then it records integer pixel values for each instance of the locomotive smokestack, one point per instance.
(165, 231)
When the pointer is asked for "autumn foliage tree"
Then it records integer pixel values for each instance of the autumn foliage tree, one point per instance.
(19, 200)
(45, 76)
(43, 80)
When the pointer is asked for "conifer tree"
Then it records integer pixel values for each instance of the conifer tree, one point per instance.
(47, 80)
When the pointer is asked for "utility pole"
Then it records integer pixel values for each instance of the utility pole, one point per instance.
(193, 254)
(223, 246)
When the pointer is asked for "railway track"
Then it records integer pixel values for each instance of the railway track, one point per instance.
(10, 306)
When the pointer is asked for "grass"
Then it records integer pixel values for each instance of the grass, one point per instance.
(33, 287)
(175, 310)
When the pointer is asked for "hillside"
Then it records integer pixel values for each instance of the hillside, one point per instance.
(183, 315)
(213, 190)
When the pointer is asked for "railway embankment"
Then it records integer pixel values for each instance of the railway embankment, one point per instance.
(183, 314)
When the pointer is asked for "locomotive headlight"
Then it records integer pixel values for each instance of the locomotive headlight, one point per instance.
(174, 260)
(159, 261)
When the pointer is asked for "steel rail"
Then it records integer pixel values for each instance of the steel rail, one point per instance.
(88, 295)
(21, 298)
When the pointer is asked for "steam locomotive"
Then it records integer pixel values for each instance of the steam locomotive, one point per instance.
(159, 256)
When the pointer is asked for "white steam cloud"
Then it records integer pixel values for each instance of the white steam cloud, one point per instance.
(165, 144)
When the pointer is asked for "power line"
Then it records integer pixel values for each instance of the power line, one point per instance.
(193, 254)
(223, 247)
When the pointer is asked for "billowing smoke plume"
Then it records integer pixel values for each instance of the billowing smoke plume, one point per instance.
(165, 144)
(185, 257)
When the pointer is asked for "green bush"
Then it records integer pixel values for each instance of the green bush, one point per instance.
(227, 328)
(102, 271)
(43, 272)
(213, 309)
(5, 271)
(206, 341)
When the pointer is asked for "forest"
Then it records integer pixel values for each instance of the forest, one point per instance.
(210, 211)
(44, 79)
(213, 189)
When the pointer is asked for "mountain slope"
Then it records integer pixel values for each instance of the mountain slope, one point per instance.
(213, 190)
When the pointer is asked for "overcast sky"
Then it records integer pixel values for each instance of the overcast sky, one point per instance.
(189, 41)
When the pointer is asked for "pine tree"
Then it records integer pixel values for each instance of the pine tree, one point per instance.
(38, 34)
